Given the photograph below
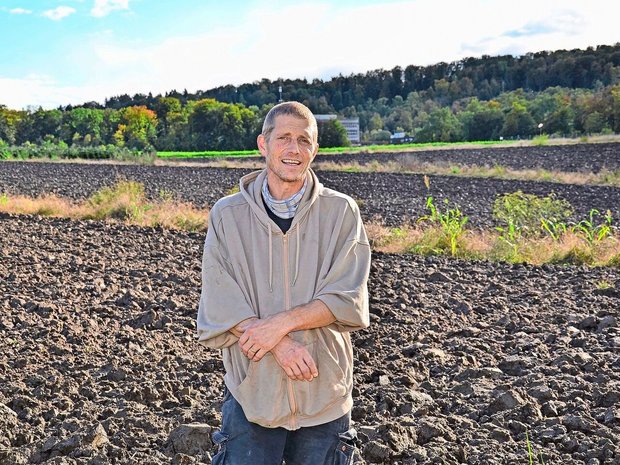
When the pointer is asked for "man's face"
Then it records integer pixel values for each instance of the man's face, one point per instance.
(290, 149)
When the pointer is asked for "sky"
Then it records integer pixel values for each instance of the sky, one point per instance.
(61, 52)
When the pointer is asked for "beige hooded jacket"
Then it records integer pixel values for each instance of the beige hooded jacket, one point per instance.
(251, 269)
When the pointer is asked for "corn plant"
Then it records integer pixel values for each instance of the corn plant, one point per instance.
(553, 228)
(525, 214)
(592, 232)
(452, 221)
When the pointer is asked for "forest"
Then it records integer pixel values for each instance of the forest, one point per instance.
(564, 93)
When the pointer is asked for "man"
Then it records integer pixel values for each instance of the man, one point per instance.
(284, 274)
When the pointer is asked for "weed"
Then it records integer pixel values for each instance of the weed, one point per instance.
(542, 139)
(124, 201)
(530, 452)
(498, 171)
(524, 214)
(233, 190)
(611, 178)
(590, 231)
(4, 199)
(603, 284)
(165, 195)
(554, 229)
(452, 222)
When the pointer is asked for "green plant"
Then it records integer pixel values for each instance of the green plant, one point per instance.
(542, 139)
(590, 231)
(603, 284)
(530, 452)
(553, 229)
(451, 221)
(611, 178)
(523, 214)
(4, 199)
(165, 195)
(233, 190)
(125, 200)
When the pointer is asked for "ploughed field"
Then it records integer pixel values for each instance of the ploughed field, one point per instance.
(393, 198)
(99, 364)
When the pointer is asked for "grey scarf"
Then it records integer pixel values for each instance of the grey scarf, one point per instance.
(283, 208)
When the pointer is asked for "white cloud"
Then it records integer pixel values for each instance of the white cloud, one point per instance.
(59, 13)
(319, 40)
(35, 90)
(105, 7)
(20, 11)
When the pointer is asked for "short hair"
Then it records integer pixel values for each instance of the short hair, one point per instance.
(296, 109)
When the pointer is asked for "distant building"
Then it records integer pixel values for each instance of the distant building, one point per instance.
(400, 138)
(352, 125)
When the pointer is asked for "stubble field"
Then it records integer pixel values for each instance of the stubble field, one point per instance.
(99, 363)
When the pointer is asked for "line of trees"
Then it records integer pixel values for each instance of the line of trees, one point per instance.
(570, 93)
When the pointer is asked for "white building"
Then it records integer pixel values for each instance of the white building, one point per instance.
(352, 125)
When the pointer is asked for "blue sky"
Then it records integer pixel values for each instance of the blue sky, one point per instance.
(59, 52)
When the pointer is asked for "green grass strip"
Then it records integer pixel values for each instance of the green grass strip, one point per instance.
(333, 150)
(209, 153)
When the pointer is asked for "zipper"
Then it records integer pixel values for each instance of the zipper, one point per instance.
(287, 304)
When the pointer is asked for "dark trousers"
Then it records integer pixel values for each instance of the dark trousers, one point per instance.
(244, 443)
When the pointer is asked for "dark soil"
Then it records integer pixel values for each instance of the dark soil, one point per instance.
(100, 364)
(586, 158)
(394, 198)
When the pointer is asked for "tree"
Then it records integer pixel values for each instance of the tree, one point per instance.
(481, 121)
(137, 128)
(615, 107)
(441, 126)
(332, 134)
(519, 123)
(39, 126)
(165, 108)
(9, 122)
(222, 126)
(595, 123)
(79, 122)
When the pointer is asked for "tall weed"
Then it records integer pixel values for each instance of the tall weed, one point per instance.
(523, 214)
(451, 221)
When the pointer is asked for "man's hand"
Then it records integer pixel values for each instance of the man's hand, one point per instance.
(241, 327)
(260, 336)
(295, 360)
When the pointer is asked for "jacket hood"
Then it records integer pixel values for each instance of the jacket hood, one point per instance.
(250, 187)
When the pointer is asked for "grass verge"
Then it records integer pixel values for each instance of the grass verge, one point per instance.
(442, 232)
(124, 202)
(570, 248)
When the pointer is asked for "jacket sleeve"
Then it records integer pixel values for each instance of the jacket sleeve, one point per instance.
(342, 284)
(223, 304)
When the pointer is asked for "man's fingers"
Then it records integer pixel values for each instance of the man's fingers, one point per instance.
(297, 372)
(314, 371)
(258, 355)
